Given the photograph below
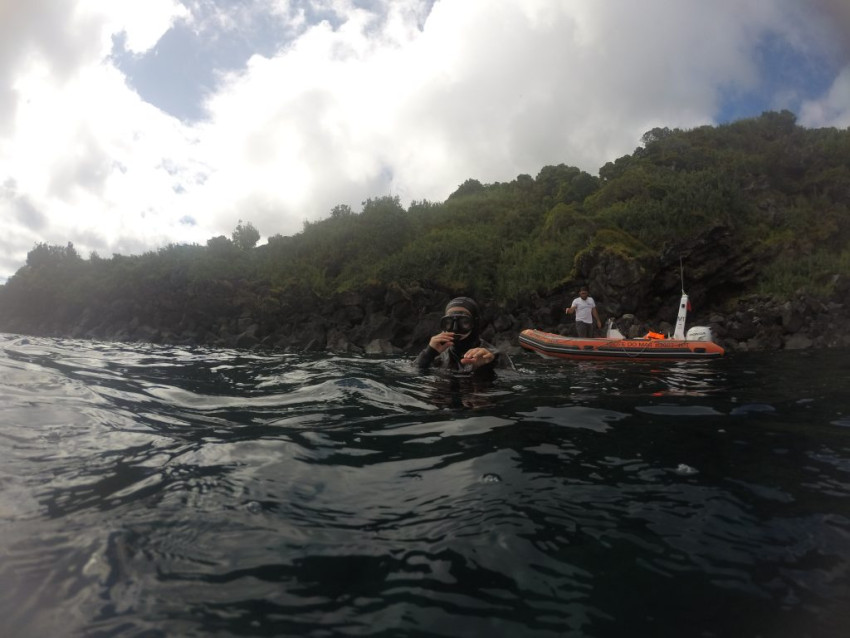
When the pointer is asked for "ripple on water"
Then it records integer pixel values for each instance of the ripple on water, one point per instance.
(678, 410)
(202, 492)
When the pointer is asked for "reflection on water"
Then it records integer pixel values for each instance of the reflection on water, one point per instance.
(175, 491)
(684, 378)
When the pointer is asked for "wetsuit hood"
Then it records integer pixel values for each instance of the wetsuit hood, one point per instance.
(473, 339)
(465, 302)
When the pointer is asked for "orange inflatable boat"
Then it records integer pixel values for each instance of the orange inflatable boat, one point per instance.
(698, 343)
(552, 345)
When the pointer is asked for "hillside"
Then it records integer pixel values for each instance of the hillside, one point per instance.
(756, 211)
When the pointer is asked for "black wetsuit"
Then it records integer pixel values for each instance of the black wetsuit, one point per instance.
(450, 358)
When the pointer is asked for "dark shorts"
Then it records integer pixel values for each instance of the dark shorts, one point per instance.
(584, 329)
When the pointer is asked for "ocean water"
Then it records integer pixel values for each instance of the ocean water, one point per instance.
(169, 491)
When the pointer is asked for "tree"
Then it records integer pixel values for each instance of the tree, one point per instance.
(656, 135)
(469, 187)
(245, 236)
(219, 245)
(50, 255)
(341, 210)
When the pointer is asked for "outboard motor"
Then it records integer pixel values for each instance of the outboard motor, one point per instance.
(699, 333)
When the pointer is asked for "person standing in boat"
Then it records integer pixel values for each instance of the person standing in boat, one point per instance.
(584, 309)
(459, 346)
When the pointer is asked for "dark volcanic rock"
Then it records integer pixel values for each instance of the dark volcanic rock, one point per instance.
(640, 294)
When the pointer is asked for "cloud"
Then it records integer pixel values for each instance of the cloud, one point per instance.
(833, 109)
(23, 211)
(481, 89)
(121, 121)
(34, 37)
(836, 19)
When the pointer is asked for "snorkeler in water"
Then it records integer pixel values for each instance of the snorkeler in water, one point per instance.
(459, 346)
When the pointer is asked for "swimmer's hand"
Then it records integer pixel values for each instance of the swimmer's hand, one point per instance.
(442, 341)
(477, 357)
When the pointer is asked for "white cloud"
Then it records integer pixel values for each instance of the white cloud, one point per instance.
(486, 90)
(143, 23)
(833, 109)
(401, 101)
(84, 152)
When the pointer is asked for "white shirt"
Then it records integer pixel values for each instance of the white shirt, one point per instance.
(584, 309)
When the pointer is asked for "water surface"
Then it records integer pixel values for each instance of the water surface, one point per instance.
(163, 491)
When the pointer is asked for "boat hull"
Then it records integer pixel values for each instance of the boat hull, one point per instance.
(556, 346)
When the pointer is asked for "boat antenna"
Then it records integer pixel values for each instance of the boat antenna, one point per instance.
(683, 306)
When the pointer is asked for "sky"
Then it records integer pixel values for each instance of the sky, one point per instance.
(126, 126)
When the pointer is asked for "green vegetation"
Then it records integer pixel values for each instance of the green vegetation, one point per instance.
(779, 190)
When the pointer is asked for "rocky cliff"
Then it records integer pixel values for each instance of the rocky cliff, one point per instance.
(639, 294)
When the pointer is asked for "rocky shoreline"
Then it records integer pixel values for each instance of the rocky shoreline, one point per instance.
(398, 320)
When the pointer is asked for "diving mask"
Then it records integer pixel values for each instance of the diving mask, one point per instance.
(457, 323)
